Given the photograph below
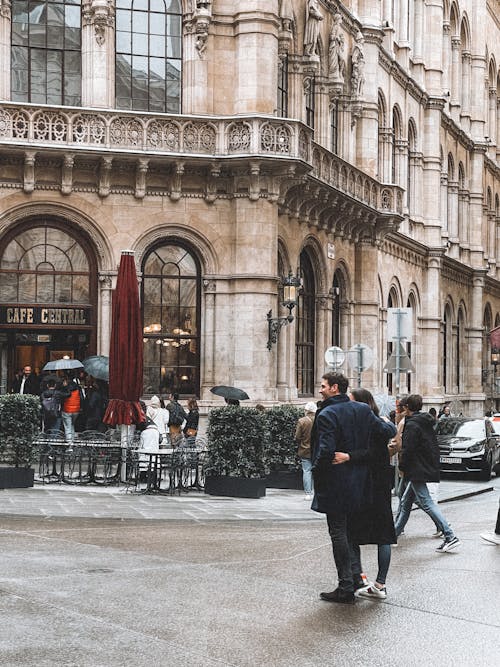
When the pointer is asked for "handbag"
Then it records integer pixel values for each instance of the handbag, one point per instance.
(191, 432)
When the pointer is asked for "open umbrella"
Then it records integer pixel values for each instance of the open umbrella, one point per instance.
(97, 366)
(126, 351)
(230, 392)
(62, 365)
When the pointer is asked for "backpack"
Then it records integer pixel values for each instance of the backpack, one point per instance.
(51, 405)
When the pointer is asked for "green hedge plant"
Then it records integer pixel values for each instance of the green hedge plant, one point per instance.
(236, 442)
(19, 426)
(280, 446)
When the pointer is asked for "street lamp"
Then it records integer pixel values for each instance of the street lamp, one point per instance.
(290, 286)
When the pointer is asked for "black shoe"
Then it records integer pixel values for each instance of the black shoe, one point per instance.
(359, 583)
(343, 597)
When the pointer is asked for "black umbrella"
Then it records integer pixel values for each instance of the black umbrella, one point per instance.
(230, 392)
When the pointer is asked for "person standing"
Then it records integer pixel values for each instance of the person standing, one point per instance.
(70, 408)
(192, 421)
(177, 415)
(373, 525)
(339, 490)
(420, 464)
(51, 399)
(26, 383)
(160, 416)
(303, 439)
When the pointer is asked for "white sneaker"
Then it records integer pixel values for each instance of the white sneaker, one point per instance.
(373, 592)
(491, 537)
(308, 496)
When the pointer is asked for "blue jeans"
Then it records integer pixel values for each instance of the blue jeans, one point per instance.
(384, 560)
(307, 481)
(68, 420)
(418, 492)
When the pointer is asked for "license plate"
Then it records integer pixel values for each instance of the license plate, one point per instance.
(447, 459)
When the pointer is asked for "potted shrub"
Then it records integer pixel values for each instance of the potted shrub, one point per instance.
(235, 460)
(282, 465)
(19, 427)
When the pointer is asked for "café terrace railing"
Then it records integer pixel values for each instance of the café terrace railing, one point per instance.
(251, 137)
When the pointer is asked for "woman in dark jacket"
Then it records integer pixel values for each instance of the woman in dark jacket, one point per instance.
(375, 525)
(192, 420)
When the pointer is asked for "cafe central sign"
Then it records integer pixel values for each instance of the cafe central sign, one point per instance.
(40, 315)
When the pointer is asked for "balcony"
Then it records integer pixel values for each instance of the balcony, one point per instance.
(161, 137)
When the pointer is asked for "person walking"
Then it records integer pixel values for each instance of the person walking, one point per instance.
(420, 464)
(494, 537)
(341, 425)
(373, 525)
(303, 439)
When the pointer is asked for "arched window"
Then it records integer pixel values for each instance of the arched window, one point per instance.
(148, 55)
(411, 167)
(382, 138)
(334, 127)
(396, 138)
(305, 336)
(310, 91)
(171, 312)
(45, 265)
(447, 349)
(46, 52)
(461, 351)
(336, 338)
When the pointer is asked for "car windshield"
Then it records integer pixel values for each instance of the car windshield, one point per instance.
(496, 425)
(461, 429)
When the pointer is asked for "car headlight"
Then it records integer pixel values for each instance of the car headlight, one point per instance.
(477, 447)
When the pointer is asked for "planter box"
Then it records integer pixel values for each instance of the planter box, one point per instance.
(237, 487)
(284, 479)
(16, 478)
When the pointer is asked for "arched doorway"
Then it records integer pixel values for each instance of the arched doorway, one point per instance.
(48, 295)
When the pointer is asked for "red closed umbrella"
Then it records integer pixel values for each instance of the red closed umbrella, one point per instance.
(126, 348)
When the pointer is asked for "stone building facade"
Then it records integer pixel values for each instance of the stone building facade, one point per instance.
(230, 144)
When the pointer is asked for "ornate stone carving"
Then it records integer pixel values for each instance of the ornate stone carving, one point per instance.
(358, 66)
(311, 33)
(67, 174)
(105, 176)
(5, 9)
(285, 36)
(29, 171)
(140, 178)
(100, 14)
(202, 17)
(336, 61)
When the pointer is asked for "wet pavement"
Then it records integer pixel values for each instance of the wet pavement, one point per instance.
(102, 577)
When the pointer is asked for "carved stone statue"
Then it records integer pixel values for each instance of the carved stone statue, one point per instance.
(311, 33)
(336, 62)
(358, 66)
(286, 14)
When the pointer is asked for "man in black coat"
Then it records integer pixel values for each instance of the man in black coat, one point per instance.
(339, 491)
(27, 383)
(420, 464)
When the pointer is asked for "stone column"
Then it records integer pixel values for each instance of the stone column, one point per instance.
(5, 29)
(196, 24)
(475, 344)
(453, 217)
(447, 83)
(104, 319)
(322, 133)
(466, 70)
(493, 118)
(475, 218)
(432, 172)
(98, 54)
(209, 338)
(429, 339)
(366, 306)
(455, 77)
(256, 29)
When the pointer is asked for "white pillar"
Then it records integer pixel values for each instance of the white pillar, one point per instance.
(5, 28)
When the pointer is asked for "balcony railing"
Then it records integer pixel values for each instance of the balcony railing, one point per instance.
(251, 137)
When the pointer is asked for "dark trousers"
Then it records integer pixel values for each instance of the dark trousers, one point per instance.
(342, 554)
(497, 527)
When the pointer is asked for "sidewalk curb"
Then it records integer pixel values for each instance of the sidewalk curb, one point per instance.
(466, 495)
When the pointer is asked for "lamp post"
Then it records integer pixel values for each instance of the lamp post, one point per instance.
(290, 286)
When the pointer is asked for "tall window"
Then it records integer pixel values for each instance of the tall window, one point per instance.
(305, 317)
(171, 310)
(148, 55)
(44, 264)
(336, 310)
(310, 102)
(46, 52)
(283, 87)
(334, 128)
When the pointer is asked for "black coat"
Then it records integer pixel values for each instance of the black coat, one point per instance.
(345, 426)
(31, 385)
(375, 525)
(420, 454)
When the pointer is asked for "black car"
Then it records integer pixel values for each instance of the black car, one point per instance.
(468, 445)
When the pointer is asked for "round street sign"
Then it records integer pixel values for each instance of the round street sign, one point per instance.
(335, 357)
(360, 357)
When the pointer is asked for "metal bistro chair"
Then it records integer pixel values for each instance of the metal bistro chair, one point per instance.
(105, 457)
(77, 462)
(50, 456)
